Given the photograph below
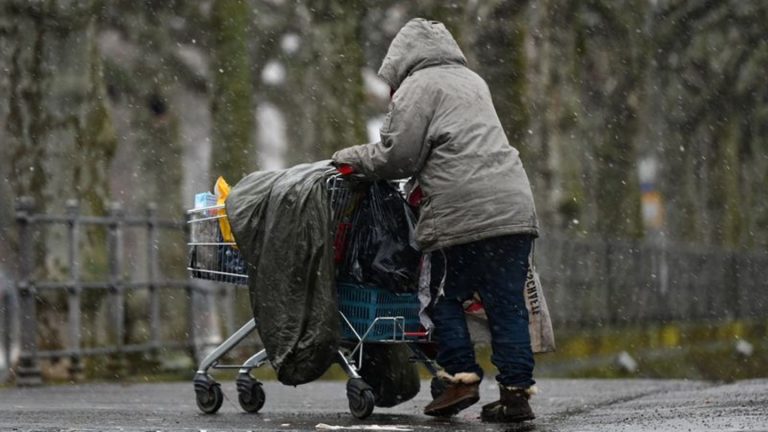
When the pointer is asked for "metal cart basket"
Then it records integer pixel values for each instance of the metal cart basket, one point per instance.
(369, 314)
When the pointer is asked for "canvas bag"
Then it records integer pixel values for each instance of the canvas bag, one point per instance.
(539, 321)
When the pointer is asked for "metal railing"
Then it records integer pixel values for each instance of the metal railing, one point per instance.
(7, 319)
(29, 288)
(588, 282)
(592, 282)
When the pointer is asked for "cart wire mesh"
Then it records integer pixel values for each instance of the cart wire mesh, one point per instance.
(214, 258)
(369, 314)
(210, 256)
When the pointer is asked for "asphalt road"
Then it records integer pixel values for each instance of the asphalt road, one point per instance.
(562, 405)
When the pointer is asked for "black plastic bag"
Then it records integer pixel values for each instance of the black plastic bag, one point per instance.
(380, 250)
(389, 370)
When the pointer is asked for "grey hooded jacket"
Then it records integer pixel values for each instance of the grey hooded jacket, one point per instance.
(443, 130)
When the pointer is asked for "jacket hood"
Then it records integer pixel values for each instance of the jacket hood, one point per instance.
(419, 44)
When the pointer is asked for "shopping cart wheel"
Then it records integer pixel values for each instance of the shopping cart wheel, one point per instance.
(250, 393)
(436, 387)
(208, 394)
(361, 398)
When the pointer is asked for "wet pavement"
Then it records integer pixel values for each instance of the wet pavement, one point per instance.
(562, 405)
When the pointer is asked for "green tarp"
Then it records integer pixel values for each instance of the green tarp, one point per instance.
(282, 223)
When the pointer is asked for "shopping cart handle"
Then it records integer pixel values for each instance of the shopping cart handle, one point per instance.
(345, 169)
(416, 334)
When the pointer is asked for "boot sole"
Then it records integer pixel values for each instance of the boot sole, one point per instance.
(506, 419)
(454, 408)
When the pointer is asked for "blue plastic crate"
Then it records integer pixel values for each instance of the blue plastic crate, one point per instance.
(362, 304)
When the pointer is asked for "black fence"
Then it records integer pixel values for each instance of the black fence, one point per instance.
(594, 282)
(113, 284)
(587, 282)
(7, 327)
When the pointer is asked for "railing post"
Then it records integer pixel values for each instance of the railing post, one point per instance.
(191, 323)
(611, 314)
(735, 270)
(115, 240)
(5, 327)
(663, 272)
(228, 292)
(74, 290)
(28, 373)
(191, 289)
(153, 244)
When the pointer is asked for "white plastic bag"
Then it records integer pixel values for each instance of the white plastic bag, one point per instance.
(539, 321)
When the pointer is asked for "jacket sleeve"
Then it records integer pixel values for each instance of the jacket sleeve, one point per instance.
(404, 146)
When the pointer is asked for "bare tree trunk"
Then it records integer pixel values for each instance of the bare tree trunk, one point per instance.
(614, 94)
(334, 81)
(233, 115)
(59, 132)
(499, 49)
(714, 106)
(451, 13)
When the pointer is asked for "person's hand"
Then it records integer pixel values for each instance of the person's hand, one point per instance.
(349, 174)
(345, 169)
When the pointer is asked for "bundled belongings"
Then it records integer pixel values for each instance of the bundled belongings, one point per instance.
(284, 228)
(282, 223)
(210, 251)
(213, 254)
(380, 249)
(389, 370)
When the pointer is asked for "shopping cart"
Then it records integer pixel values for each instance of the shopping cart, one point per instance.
(368, 314)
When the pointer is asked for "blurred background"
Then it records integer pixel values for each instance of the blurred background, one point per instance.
(642, 124)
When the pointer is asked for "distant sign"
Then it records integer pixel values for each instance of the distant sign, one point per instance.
(653, 209)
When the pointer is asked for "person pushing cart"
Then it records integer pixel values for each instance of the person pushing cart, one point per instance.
(476, 225)
(476, 216)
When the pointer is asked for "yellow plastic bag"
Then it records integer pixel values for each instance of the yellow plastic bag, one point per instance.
(222, 191)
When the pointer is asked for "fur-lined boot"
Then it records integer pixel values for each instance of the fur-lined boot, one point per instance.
(461, 391)
(512, 407)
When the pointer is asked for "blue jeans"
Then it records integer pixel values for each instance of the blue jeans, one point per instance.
(496, 269)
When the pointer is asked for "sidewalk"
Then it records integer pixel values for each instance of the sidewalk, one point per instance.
(562, 405)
